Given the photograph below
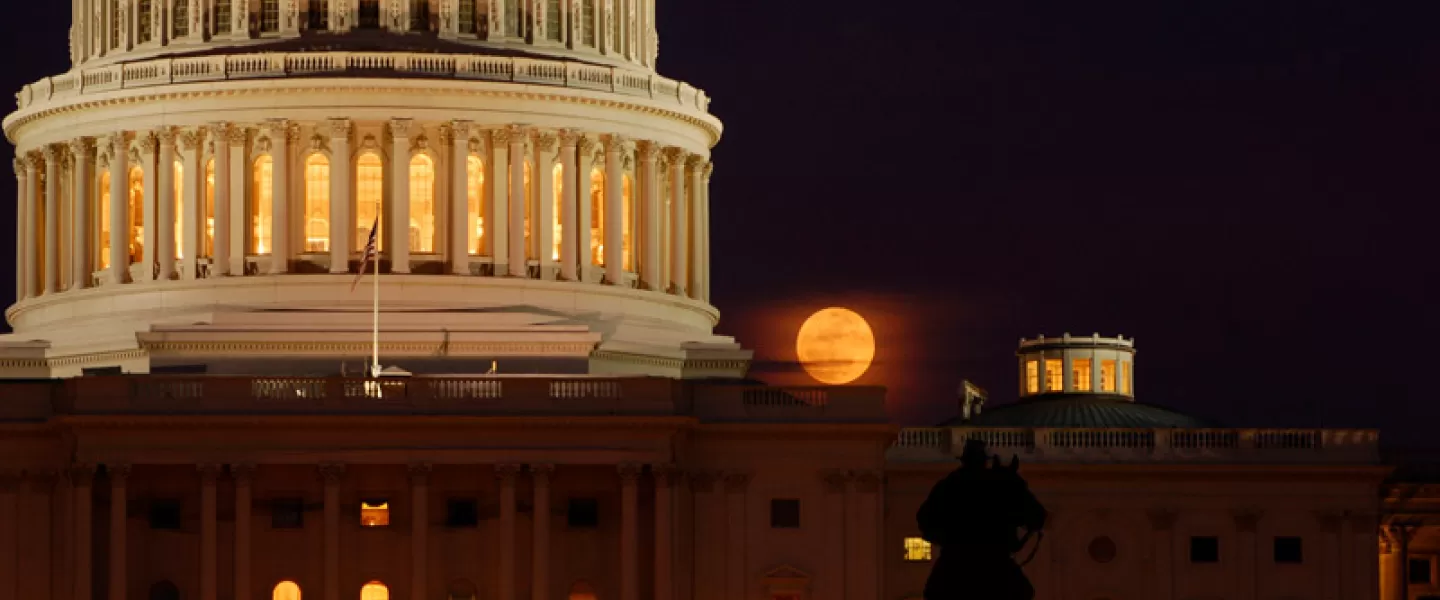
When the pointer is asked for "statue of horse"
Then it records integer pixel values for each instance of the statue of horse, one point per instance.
(974, 517)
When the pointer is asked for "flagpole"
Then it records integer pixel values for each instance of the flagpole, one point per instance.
(375, 309)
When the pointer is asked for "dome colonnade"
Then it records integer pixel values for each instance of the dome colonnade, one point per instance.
(282, 196)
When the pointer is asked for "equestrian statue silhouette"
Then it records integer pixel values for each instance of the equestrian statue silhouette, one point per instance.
(974, 517)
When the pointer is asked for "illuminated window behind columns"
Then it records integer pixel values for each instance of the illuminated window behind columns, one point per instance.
(65, 202)
(422, 204)
(627, 222)
(317, 203)
(1080, 373)
(558, 174)
(137, 215)
(1125, 377)
(917, 550)
(597, 217)
(180, 19)
(374, 591)
(552, 21)
(475, 203)
(666, 205)
(1032, 376)
(179, 209)
(467, 16)
(143, 21)
(286, 590)
(375, 513)
(261, 205)
(1054, 375)
(587, 22)
(530, 201)
(269, 16)
(102, 220)
(1107, 375)
(369, 193)
(223, 16)
(114, 24)
(208, 244)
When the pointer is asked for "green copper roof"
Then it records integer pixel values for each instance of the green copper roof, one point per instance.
(1084, 413)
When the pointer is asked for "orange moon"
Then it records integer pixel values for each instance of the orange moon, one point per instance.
(836, 346)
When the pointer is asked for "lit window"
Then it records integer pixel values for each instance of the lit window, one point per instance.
(552, 21)
(475, 203)
(422, 204)
(597, 217)
(1054, 375)
(467, 16)
(917, 550)
(317, 203)
(587, 22)
(1107, 375)
(1080, 372)
(1125, 377)
(1032, 376)
(375, 513)
(269, 16)
(144, 13)
(222, 15)
(102, 218)
(559, 175)
(137, 215)
(286, 590)
(369, 192)
(179, 209)
(261, 206)
(180, 18)
(374, 591)
(209, 242)
(627, 222)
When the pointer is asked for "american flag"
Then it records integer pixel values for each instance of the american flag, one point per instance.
(370, 249)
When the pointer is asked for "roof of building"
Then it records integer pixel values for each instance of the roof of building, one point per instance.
(1085, 412)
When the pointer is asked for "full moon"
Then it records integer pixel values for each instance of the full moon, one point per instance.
(835, 346)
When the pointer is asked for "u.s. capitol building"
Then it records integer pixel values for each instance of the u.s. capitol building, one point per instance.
(185, 412)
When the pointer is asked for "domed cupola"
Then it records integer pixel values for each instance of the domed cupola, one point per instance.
(1080, 382)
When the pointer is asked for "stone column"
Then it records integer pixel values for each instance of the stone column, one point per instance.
(1245, 553)
(219, 134)
(650, 214)
(679, 222)
(708, 515)
(703, 231)
(664, 532)
(146, 158)
(1364, 539)
(331, 567)
(866, 534)
(240, 15)
(399, 225)
(629, 532)
(540, 546)
(243, 474)
(208, 531)
(459, 190)
(118, 475)
(280, 196)
(543, 227)
(569, 220)
(82, 206)
(832, 583)
(1162, 539)
(241, 179)
(614, 210)
(50, 273)
(450, 20)
(32, 226)
(1398, 536)
(22, 232)
(736, 576)
(119, 209)
(585, 148)
(696, 170)
(290, 18)
(164, 224)
(342, 223)
(192, 211)
(1331, 567)
(497, 204)
(518, 200)
(506, 583)
(10, 533)
(419, 529)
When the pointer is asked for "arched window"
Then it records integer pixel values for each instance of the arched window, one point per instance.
(374, 591)
(164, 591)
(422, 204)
(597, 217)
(144, 12)
(261, 205)
(137, 215)
(208, 244)
(102, 219)
(461, 590)
(286, 590)
(369, 193)
(180, 18)
(317, 203)
(559, 201)
(587, 22)
(179, 209)
(475, 202)
(529, 214)
(319, 15)
(582, 591)
(627, 222)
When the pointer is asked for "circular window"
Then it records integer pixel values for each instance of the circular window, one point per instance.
(1102, 549)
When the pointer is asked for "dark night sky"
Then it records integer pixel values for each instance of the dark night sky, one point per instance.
(1243, 186)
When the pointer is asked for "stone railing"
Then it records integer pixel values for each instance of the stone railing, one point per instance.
(739, 403)
(164, 71)
(944, 444)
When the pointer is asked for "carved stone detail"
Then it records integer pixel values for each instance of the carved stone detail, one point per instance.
(331, 473)
(629, 472)
(420, 472)
(461, 129)
(545, 142)
(399, 128)
(419, 143)
(674, 155)
(237, 136)
(507, 472)
(319, 143)
(568, 138)
(340, 128)
(189, 140)
(208, 472)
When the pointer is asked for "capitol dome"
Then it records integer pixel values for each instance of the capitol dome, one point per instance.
(198, 191)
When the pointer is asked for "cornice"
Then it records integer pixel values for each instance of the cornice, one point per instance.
(388, 422)
(71, 360)
(441, 348)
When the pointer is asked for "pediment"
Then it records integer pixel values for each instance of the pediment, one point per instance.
(787, 574)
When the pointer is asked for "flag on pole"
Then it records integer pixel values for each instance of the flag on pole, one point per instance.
(370, 250)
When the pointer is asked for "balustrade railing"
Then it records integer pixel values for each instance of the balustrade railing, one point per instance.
(163, 71)
(1141, 445)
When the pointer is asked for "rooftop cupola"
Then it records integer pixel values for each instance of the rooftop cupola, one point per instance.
(1070, 365)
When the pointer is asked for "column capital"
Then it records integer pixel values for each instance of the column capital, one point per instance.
(545, 141)
(118, 473)
(629, 472)
(1246, 520)
(507, 472)
(420, 472)
(694, 162)
(81, 146)
(648, 151)
(276, 127)
(702, 480)
(20, 168)
(666, 474)
(32, 161)
(146, 142)
(1162, 519)
(737, 481)
(709, 170)
(167, 137)
(236, 135)
(331, 472)
(569, 138)
(51, 153)
(542, 471)
(340, 128)
(461, 129)
(675, 156)
(190, 139)
(616, 143)
(119, 143)
(586, 144)
(835, 481)
(242, 471)
(208, 472)
(81, 473)
(400, 128)
(869, 482)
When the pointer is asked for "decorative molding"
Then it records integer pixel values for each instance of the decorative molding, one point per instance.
(629, 473)
(461, 129)
(81, 146)
(545, 141)
(585, 143)
(77, 359)
(340, 128)
(675, 156)
(167, 137)
(21, 170)
(330, 473)
(319, 143)
(569, 138)
(399, 128)
(405, 348)
(507, 473)
(189, 140)
(370, 143)
(237, 135)
(647, 151)
(419, 143)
